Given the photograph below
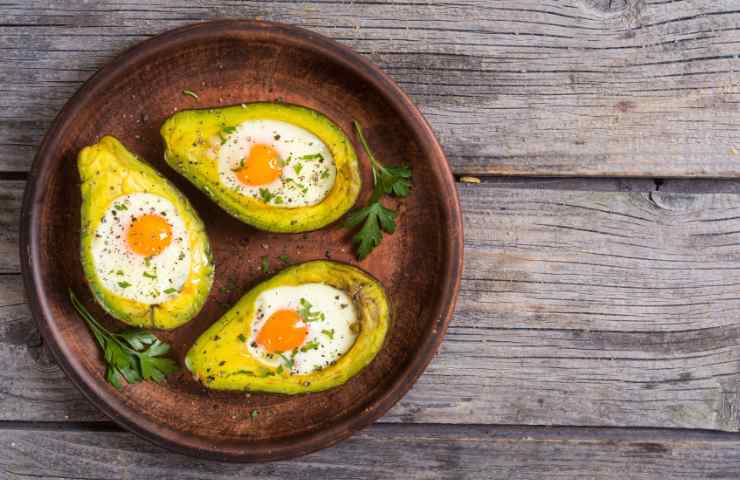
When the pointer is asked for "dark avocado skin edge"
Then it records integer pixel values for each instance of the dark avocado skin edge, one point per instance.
(189, 149)
(220, 358)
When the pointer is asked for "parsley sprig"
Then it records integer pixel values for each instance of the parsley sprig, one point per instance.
(376, 218)
(133, 355)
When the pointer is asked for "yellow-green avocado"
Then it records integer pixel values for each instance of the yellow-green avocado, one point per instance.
(189, 150)
(220, 358)
(108, 170)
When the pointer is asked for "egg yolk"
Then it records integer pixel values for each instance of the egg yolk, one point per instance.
(149, 234)
(261, 166)
(282, 332)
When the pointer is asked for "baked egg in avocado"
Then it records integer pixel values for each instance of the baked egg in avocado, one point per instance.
(275, 166)
(144, 250)
(309, 328)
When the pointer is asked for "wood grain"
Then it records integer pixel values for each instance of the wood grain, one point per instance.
(611, 308)
(391, 452)
(514, 87)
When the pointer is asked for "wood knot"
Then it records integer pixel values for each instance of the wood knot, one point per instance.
(608, 6)
(674, 202)
(628, 9)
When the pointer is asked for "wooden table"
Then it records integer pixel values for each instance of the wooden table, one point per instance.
(597, 333)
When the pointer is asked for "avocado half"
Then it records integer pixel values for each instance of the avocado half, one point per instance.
(220, 358)
(189, 150)
(108, 170)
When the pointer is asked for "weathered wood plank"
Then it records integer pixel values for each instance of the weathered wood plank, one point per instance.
(391, 451)
(577, 308)
(514, 87)
(11, 196)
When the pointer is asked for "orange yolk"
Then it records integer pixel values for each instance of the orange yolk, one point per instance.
(149, 234)
(261, 166)
(282, 332)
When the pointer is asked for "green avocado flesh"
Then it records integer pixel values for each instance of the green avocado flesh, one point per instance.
(108, 171)
(192, 143)
(221, 359)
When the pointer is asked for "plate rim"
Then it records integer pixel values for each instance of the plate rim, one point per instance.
(131, 419)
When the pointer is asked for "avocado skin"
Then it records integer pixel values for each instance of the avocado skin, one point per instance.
(221, 360)
(108, 170)
(188, 140)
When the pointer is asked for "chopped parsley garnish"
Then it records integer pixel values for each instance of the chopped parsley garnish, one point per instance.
(313, 156)
(120, 206)
(241, 337)
(147, 261)
(298, 167)
(324, 174)
(289, 362)
(310, 346)
(170, 290)
(149, 275)
(226, 131)
(306, 313)
(254, 414)
(266, 195)
(119, 272)
(279, 369)
(284, 258)
(124, 284)
(265, 264)
(190, 93)
(132, 355)
(238, 167)
(375, 218)
(278, 200)
(329, 333)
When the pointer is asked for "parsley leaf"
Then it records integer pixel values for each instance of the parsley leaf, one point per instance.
(149, 275)
(170, 290)
(133, 355)
(265, 264)
(124, 284)
(306, 313)
(284, 259)
(376, 218)
(313, 156)
(298, 167)
(329, 333)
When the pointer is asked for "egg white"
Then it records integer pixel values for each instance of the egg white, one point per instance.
(308, 172)
(333, 334)
(121, 270)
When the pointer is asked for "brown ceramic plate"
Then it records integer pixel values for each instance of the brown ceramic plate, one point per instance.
(230, 62)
